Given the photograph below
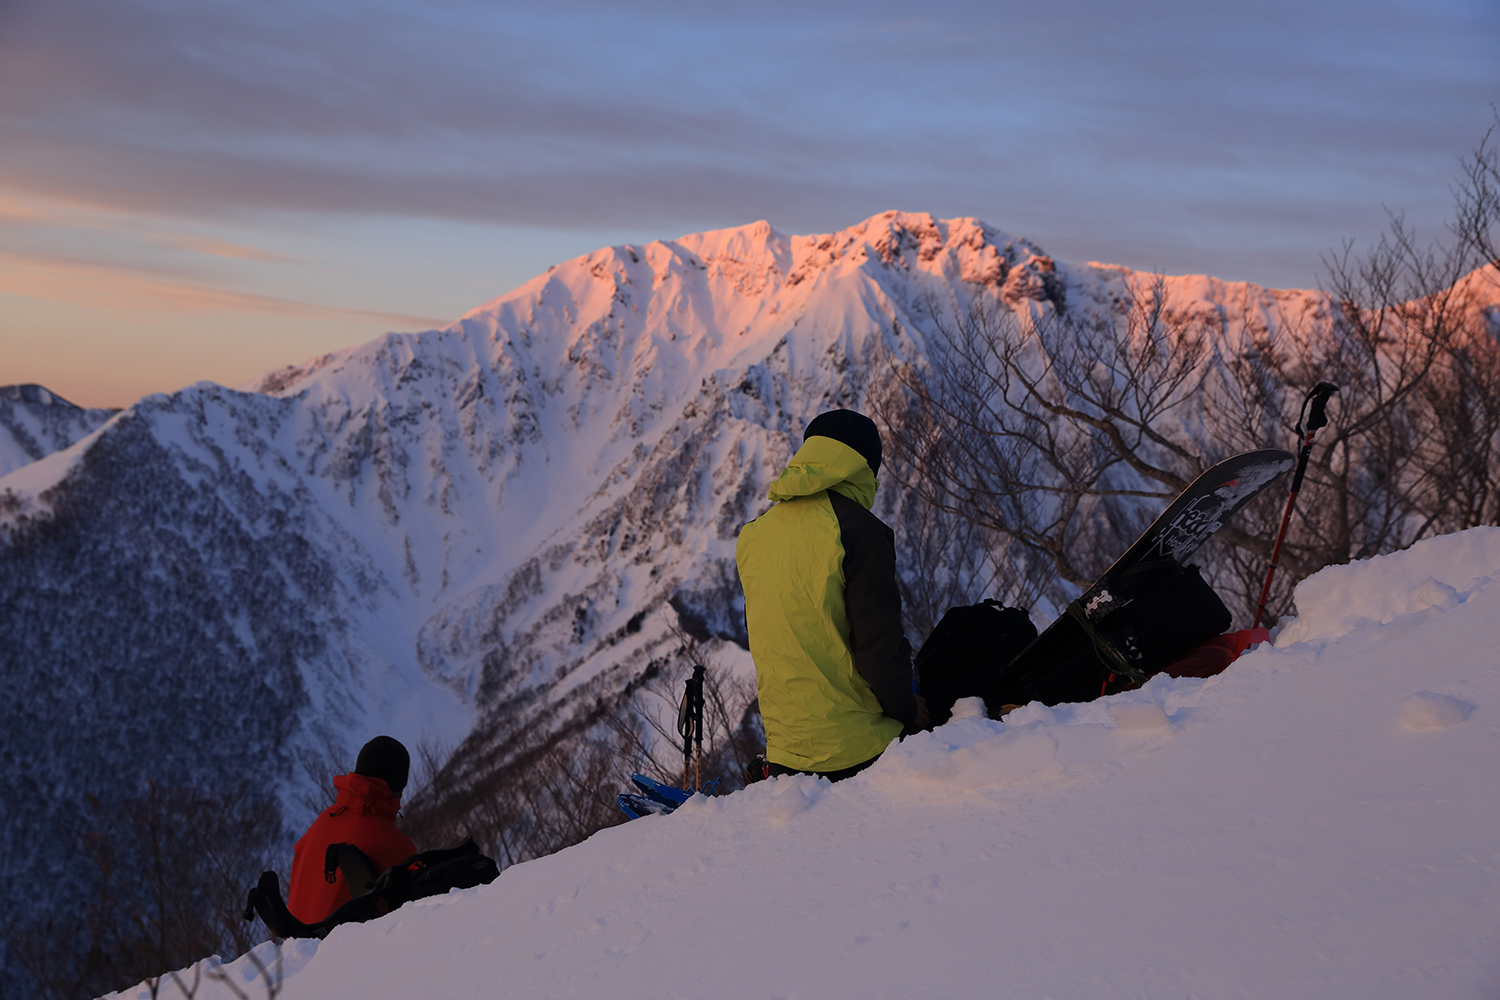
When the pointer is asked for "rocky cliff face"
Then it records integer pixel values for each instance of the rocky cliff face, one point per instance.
(502, 516)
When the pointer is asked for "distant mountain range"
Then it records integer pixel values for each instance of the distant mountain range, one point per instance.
(414, 534)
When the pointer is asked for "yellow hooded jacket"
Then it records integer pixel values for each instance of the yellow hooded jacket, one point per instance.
(832, 663)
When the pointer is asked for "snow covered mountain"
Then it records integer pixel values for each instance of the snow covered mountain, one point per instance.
(504, 518)
(1318, 822)
(35, 422)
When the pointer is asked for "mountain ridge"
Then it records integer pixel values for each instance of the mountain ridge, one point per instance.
(35, 422)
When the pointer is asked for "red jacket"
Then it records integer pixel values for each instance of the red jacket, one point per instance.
(364, 814)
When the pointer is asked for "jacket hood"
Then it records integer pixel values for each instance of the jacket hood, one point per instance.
(825, 464)
(370, 796)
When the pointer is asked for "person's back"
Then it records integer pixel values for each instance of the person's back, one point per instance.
(823, 610)
(364, 814)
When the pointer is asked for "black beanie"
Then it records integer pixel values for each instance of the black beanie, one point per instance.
(384, 757)
(854, 429)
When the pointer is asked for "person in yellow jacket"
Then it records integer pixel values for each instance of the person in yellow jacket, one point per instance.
(833, 667)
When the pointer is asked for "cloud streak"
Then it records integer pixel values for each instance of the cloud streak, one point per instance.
(1095, 120)
(103, 285)
(222, 248)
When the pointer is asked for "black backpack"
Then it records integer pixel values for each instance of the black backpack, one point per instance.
(967, 652)
(430, 873)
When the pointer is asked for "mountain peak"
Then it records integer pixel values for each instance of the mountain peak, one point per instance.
(30, 392)
(36, 422)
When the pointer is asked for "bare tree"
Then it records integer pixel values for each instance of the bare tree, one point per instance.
(732, 732)
(172, 866)
(1040, 429)
(947, 561)
(524, 791)
(1477, 200)
(1461, 398)
(322, 764)
(521, 791)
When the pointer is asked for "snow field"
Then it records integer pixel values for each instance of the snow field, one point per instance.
(1320, 821)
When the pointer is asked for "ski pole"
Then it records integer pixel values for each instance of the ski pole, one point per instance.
(698, 674)
(1317, 396)
(685, 729)
(689, 720)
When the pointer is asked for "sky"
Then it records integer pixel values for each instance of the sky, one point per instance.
(203, 189)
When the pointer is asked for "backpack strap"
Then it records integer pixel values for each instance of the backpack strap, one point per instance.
(1112, 656)
(426, 859)
(359, 871)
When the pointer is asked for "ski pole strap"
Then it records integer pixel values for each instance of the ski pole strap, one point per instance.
(685, 712)
(1302, 459)
(699, 672)
(690, 710)
(690, 719)
(1316, 399)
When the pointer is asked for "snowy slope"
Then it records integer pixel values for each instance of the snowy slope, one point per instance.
(34, 423)
(1318, 822)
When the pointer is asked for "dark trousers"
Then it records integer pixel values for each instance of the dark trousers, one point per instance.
(848, 772)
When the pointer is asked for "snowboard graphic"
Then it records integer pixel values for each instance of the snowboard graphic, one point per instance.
(1199, 511)
(1060, 664)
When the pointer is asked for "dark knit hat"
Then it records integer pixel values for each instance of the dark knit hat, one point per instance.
(384, 757)
(854, 429)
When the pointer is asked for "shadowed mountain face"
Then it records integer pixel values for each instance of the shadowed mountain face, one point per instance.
(34, 423)
(502, 518)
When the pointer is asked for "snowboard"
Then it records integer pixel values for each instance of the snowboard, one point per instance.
(1060, 665)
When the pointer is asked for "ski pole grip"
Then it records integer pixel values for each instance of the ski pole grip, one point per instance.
(1319, 399)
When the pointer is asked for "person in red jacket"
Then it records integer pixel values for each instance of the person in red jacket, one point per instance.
(364, 814)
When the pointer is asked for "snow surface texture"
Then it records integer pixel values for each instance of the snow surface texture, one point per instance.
(1318, 822)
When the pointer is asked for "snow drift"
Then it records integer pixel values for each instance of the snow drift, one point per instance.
(1320, 821)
